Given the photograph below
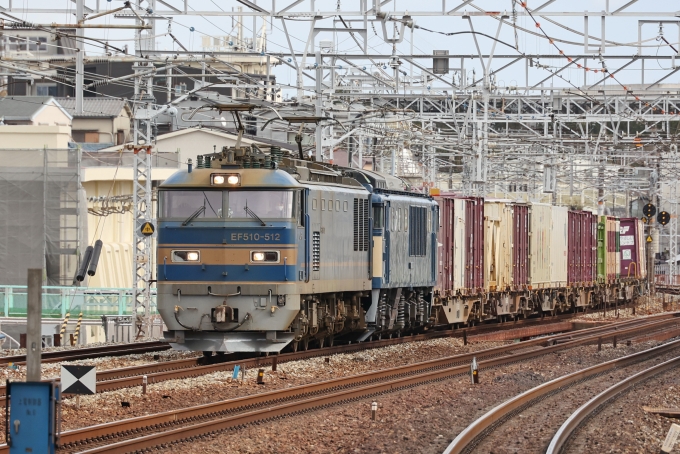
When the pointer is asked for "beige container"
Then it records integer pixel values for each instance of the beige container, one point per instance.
(540, 225)
(497, 245)
(558, 246)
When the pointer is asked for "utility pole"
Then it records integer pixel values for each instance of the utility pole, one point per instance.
(34, 325)
(80, 53)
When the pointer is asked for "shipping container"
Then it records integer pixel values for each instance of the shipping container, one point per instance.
(558, 246)
(631, 248)
(520, 247)
(498, 236)
(608, 257)
(582, 248)
(460, 243)
(539, 245)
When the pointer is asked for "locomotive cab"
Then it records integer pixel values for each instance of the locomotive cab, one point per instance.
(228, 242)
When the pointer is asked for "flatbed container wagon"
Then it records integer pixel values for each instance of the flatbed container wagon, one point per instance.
(460, 257)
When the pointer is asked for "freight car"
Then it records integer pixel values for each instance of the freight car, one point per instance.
(257, 251)
(537, 259)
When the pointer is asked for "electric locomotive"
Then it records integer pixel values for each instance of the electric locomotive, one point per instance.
(257, 251)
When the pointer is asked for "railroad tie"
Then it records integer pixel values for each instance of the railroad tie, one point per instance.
(80, 320)
(63, 327)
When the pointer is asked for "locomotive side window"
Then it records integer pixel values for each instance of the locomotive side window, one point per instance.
(378, 217)
(265, 204)
(182, 204)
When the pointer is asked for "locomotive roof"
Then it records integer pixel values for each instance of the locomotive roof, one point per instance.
(256, 178)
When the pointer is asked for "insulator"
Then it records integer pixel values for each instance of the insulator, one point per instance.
(80, 277)
(92, 269)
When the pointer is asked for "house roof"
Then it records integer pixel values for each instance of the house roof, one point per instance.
(25, 108)
(98, 107)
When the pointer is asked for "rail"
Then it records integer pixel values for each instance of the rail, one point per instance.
(577, 418)
(470, 435)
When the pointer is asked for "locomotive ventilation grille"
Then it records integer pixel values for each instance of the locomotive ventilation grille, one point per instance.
(360, 225)
(316, 251)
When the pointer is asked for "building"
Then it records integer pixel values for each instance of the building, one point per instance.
(34, 122)
(104, 121)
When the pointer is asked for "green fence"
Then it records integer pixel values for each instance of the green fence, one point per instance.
(56, 301)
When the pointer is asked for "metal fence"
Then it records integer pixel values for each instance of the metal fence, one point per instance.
(662, 275)
(57, 301)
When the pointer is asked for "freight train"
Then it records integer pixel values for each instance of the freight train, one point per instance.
(258, 251)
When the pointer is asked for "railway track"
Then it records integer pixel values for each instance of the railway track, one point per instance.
(110, 380)
(541, 400)
(173, 426)
(91, 352)
(594, 405)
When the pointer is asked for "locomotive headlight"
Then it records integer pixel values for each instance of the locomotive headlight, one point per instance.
(186, 256)
(264, 256)
(231, 179)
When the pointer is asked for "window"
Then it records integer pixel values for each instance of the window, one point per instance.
(183, 204)
(337, 205)
(378, 217)
(265, 204)
(120, 137)
(360, 225)
(417, 239)
(345, 206)
(46, 89)
(180, 89)
(323, 204)
(314, 203)
(398, 219)
(405, 220)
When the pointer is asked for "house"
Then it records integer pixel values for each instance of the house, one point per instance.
(33, 111)
(191, 142)
(103, 121)
(33, 122)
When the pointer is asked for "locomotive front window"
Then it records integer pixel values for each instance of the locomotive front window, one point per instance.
(183, 204)
(378, 217)
(266, 204)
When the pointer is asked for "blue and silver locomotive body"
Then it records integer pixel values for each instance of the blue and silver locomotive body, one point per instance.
(256, 251)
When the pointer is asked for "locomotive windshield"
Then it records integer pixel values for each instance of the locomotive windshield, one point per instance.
(183, 204)
(265, 204)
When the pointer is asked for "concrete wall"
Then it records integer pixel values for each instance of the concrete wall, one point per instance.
(25, 136)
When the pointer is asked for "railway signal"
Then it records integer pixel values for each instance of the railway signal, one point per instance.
(663, 217)
(649, 210)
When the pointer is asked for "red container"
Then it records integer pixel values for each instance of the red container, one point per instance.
(581, 252)
(461, 238)
(520, 250)
(629, 243)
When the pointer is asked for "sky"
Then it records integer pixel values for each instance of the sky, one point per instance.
(516, 40)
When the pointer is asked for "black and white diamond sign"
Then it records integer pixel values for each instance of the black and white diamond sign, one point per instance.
(78, 379)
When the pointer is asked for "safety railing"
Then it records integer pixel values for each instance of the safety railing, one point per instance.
(57, 301)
